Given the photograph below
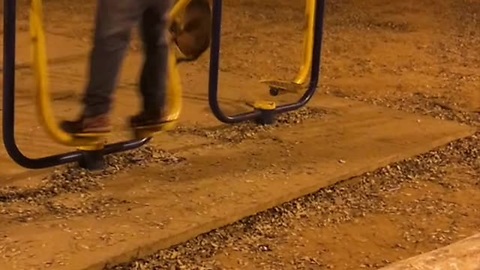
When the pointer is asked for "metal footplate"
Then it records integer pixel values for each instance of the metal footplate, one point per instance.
(147, 132)
(282, 87)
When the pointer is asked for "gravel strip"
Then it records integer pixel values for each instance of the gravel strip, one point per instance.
(340, 203)
(434, 106)
(249, 130)
(26, 204)
(72, 179)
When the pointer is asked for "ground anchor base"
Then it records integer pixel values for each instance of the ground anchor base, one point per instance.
(267, 111)
(92, 157)
(92, 160)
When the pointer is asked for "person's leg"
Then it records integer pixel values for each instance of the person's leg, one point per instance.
(154, 76)
(114, 22)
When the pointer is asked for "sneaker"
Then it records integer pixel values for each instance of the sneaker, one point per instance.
(87, 126)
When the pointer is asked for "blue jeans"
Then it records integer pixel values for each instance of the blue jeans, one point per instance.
(115, 20)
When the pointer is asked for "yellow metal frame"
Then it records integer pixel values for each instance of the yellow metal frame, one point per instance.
(263, 105)
(44, 105)
(303, 74)
(177, 9)
(301, 79)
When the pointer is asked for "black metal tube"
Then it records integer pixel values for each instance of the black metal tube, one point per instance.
(124, 146)
(214, 67)
(214, 70)
(9, 42)
(9, 46)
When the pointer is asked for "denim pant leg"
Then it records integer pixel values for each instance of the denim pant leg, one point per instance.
(115, 20)
(154, 76)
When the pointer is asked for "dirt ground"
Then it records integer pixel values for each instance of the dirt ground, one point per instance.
(418, 56)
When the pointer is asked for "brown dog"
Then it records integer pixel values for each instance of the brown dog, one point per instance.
(192, 34)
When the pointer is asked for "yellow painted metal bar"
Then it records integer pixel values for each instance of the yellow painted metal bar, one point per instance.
(176, 11)
(174, 94)
(304, 71)
(178, 8)
(40, 67)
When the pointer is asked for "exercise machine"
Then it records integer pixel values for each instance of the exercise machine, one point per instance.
(265, 112)
(91, 150)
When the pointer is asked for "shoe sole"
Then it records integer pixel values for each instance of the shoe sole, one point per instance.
(152, 126)
(146, 131)
(91, 134)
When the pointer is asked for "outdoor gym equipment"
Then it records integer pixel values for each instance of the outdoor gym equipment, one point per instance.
(91, 150)
(265, 112)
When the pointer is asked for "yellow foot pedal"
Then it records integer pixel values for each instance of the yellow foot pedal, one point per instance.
(94, 147)
(281, 87)
(147, 132)
(90, 139)
(142, 133)
(262, 105)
